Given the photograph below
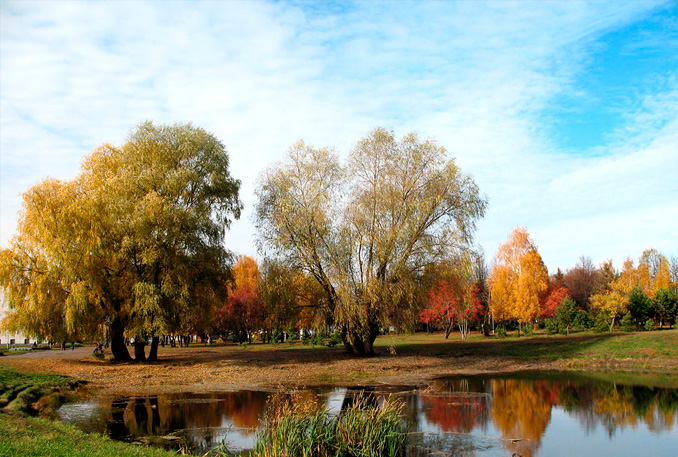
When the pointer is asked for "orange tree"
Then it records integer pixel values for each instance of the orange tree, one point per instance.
(517, 280)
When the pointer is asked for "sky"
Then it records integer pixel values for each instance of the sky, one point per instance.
(565, 113)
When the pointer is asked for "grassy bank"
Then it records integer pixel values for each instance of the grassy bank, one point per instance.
(34, 393)
(38, 437)
(25, 395)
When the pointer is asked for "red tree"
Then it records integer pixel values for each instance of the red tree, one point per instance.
(552, 299)
(449, 303)
(242, 314)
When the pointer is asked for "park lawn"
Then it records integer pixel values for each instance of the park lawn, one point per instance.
(406, 359)
(33, 436)
(660, 344)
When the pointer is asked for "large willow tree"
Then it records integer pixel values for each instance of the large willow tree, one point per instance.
(365, 230)
(132, 246)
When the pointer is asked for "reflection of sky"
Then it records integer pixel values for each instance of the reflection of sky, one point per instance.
(566, 437)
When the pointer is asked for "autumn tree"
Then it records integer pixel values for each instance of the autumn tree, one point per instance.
(554, 296)
(581, 281)
(454, 298)
(364, 230)
(130, 246)
(243, 312)
(612, 300)
(441, 307)
(518, 279)
(292, 298)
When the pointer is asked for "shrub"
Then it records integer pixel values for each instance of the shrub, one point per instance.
(601, 324)
(551, 326)
(649, 326)
(335, 339)
(627, 323)
(276, 336)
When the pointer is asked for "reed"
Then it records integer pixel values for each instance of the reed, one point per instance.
(293, 428)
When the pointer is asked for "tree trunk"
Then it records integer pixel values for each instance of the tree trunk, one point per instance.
(139, 353)
(359, 344)
(612, 324)
(118, 347)
(153, 355)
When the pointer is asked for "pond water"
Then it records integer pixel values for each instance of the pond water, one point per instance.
(528, 415)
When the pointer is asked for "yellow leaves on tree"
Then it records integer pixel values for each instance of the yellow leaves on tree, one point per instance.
(517, 280)
(245, 274)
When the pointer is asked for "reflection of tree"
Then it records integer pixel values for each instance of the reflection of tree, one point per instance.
(521, 410)
(456, 405)
(245, 408)
(163, 414)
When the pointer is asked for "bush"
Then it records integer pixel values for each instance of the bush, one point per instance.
(551, 326)
(649, 326)
(335, 339)
(304, 338)
(627, 323)
(501, 332)
(317, 339)
(601, 324)
(276, 336)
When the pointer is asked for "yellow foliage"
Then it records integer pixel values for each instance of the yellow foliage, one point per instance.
(517, 279)
(246, 273)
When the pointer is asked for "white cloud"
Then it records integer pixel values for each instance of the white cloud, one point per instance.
(263, 75)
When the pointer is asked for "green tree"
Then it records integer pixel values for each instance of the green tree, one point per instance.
(132, 246)
(665, 305)
(565, 314)
(367, 229)
(639, 306)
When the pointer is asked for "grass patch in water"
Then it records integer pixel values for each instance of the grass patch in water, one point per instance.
(293, 428)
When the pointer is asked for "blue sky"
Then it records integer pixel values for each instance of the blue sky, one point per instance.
(566, 113)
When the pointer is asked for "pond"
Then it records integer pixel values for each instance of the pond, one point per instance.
(531, 414)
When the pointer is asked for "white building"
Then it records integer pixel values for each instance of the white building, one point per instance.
(5, 336)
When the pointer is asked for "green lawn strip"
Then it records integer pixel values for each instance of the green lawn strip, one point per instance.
(32, 436)
(585, 345)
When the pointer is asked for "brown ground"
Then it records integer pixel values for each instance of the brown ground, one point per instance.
(418, 359)
(201, 368)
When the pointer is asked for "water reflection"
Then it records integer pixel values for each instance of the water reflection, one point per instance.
(526, 416)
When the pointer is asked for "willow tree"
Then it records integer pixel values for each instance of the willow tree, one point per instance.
(132, 246)
(365, 230)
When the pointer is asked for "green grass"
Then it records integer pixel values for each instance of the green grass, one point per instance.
(636, 346)
(37, 437)
(32, 393)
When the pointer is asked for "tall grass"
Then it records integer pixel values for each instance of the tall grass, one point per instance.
(293, 428)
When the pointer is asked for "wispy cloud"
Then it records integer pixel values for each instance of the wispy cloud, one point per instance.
(481, 78)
